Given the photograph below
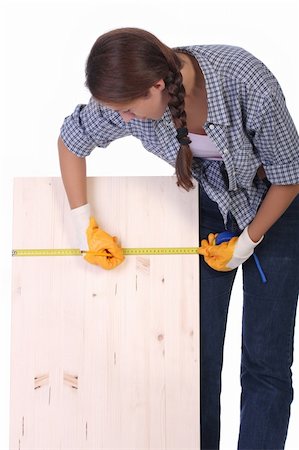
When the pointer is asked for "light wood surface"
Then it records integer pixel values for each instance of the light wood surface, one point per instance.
(105, 359)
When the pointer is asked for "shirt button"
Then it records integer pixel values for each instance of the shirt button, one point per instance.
(225, 151)
(211, 126)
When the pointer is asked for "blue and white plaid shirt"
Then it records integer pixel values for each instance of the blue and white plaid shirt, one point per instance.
(247, 119)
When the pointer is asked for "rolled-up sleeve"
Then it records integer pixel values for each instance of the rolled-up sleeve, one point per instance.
(276, 139)
(91, 126)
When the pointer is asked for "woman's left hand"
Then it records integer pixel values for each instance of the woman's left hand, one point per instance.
(227, 255)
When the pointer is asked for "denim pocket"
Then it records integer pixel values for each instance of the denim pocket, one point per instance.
(232, 224)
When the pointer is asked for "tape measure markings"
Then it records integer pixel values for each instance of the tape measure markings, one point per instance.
(126, 251)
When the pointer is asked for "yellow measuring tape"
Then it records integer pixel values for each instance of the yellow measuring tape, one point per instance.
(126, 251)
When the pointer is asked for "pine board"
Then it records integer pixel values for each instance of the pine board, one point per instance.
(105, 359)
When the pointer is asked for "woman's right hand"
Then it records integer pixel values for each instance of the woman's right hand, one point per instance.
(100, 248)
(104, 250)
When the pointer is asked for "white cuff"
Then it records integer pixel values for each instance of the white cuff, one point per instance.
(83, 210)
(243, 250)
(81, 216)
(245, 246)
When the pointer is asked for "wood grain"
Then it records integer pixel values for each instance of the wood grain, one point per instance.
(105, 359)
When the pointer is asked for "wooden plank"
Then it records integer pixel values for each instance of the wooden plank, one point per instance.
(105, 359)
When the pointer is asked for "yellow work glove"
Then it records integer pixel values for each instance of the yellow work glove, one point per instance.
(104, 249)
(227, 255)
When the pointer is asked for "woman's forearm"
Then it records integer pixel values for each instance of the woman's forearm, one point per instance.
(276, 201)
(73, 172)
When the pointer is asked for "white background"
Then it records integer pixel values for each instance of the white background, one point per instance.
(45, 46)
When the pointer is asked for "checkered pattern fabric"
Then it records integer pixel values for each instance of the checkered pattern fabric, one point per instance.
(247, 119)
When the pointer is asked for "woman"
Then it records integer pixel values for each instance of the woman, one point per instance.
(218, 115)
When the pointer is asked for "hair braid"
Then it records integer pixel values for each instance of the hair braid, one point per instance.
(124, 64)
(175, 87)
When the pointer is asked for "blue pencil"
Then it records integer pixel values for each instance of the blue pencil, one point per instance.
(258, 265)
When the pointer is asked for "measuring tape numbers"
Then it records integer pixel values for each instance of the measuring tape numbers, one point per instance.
(126, 251)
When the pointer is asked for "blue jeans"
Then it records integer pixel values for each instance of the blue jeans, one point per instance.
(267, 333)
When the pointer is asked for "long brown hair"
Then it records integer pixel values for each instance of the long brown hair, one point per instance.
(124, 64)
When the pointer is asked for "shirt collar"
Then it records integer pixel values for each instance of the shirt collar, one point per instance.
(217, 109)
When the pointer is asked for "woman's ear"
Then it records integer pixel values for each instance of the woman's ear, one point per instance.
(160, 85)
